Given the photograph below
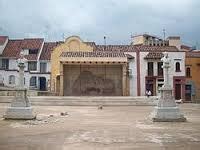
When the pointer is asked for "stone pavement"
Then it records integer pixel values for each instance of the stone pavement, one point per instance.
(88, 128)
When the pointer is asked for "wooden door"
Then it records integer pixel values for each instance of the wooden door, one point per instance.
(177, 91)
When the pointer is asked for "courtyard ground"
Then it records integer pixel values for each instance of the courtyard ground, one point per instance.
(90, 128)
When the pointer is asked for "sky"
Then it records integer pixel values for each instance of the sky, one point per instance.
(94, 19)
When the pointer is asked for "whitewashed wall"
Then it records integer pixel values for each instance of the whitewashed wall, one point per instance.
(174, 56)
(133, 78)
(143, 71)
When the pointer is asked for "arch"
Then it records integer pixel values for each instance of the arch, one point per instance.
(43, 83)
(33, 81)
(11, 79)
(178, 67)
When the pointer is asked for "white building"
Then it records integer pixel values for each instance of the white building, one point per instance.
(147, 73)
(144, 70)
(37, 53)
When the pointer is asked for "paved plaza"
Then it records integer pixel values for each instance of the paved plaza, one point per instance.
(90, 128)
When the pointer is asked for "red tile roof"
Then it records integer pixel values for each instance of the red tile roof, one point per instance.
(31, 57)
(185, 47)
(133, 48)
(92, 54)
(12, 48)
(46, 50)
(3, 39)
(154, 55)
(32, 43)
(193, 54)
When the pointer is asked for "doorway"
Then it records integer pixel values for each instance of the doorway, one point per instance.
(177, 91)
(42, 83)
(188, 92)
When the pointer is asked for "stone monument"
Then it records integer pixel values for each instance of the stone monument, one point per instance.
(167, 109)
(20, 106)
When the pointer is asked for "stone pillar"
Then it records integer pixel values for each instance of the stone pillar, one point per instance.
(21, 76)
(20, 106)
(124, 79)
(166, 109)
(61, 80)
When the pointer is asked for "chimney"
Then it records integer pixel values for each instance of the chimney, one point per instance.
(174, 41)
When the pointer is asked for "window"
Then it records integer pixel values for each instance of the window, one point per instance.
(33, 51)
(5, 64)
(33, 81)
(11, 79)
(43, 67)
(32, 66)
(150, 68)
(178, 68)
(160, 69)
(188, 72)
(1, 79)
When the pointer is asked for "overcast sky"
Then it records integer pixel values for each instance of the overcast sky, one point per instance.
(93, 19)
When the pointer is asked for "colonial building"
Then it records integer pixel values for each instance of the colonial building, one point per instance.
(192, 76)
(151, 40)
(37, 53)
(75, 67)
(84, 68)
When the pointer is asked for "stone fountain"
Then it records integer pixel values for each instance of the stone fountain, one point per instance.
(20, 106)
(167, 109)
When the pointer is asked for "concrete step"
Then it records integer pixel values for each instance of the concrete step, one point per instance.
(86, 101)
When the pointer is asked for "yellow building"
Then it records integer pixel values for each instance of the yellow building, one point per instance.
(192, 76)
(81, 68)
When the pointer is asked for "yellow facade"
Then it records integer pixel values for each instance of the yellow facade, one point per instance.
(71, 44)
(194, 79)
(75, 44)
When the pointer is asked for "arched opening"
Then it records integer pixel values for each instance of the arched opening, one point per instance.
(33, 81)
(178, 68)
(11, 79)
(43, 83)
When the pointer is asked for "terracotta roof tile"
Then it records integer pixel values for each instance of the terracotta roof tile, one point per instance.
(154, 55)
(12, 48)
(31, 57)
(46, 50)
(133, 48)
(3, 39)
(92, 54)
(193, 54)
(185, 47)
(32, 43)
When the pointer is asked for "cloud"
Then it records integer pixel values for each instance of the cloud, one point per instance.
(92, 19)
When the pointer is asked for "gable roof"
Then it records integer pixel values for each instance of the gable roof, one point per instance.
(47, 49)
(14, 47)
(32, 43)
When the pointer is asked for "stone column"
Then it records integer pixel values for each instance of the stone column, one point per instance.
(61, 80)
(166, 109)
(124, 80)
(21, 75)
(20, 106)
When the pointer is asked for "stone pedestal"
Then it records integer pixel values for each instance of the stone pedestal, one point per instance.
(20, 107)
(166, 109)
